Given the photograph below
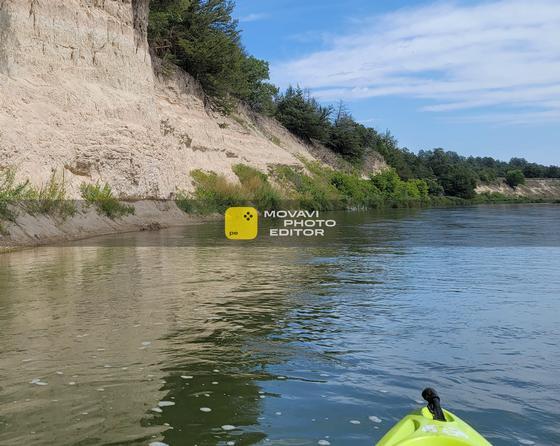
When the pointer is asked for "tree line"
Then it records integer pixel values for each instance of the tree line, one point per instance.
(202, 37)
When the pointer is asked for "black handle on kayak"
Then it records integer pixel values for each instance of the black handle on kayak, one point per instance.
(431, 396)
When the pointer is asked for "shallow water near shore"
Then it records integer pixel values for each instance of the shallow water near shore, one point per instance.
(169, 337)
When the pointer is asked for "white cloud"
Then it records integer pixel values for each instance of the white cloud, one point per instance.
(500, 54)
(255, 17)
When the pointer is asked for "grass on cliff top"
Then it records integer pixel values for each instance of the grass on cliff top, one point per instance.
(105, 202)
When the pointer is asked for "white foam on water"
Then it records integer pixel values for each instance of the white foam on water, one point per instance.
(158, 443)
(100, 389)
(278, 413)
(324, 442)
(280, 377)
(228, 427)
(38, 382)
(187, 377)
(230, 443)
(165, 403)
(156, 409)
(527, 442)
(355, 422)
(215, 382)
(59, 373)
(72, 383)
(374, 419)
(146, 343)
(205, 409)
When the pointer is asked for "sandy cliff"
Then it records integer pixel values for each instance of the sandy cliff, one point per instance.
(534, 188)
(80, 93)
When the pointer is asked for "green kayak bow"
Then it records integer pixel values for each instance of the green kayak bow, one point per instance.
(432, 426)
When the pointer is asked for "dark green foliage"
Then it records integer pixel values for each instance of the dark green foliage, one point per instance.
(397, 192)
(347, 137)
(515, 177)
(303, 115)
(201, 37)
(105, 202)
(458, 181)
(357, 192)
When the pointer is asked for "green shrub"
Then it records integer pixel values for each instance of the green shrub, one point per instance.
(214, 193)
(387, 181)
(357, 192)
(50, 199)
(311, 192)
(515, 178)
(11, 192)
(459, 181)
(103, 199)
(257, 188)
(399, 193)
(184, 202)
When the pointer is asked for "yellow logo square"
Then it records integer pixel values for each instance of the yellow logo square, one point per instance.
(242, 223)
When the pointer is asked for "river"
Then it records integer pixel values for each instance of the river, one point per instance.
(170, 337)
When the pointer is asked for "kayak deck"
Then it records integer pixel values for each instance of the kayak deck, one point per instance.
(420, 429)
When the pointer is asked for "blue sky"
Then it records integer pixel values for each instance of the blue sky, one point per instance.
(480, 78)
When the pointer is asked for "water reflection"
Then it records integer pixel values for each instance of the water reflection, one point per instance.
(283, 345)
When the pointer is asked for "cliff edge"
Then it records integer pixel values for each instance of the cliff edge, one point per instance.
(81, 94)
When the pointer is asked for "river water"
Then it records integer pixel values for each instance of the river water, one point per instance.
(285, 345)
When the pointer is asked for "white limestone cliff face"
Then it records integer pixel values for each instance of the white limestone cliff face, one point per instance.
(79, 95)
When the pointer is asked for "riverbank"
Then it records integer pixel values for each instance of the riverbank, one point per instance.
(28, 230)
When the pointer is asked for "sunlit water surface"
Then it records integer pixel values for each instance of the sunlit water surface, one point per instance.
(133, 339)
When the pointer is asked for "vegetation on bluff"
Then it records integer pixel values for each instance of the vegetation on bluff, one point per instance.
(202, 37)
(318, 188)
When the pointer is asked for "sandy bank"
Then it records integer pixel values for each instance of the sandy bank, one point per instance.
(36, 230)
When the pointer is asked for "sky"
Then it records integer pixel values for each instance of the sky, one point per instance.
(481, 78)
